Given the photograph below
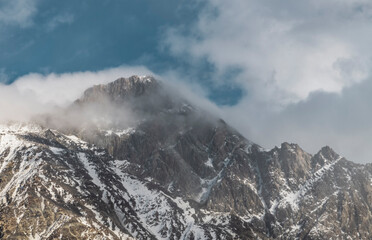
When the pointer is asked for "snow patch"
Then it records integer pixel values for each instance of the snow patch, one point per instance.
(293, 198)
(209, 163)
(56, 151)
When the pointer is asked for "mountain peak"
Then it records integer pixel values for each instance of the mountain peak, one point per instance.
(325, 156)
(135, 80)
(328, 153)
(289, 146)
(121, 88)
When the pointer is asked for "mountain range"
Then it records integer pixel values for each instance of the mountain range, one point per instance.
(133, 159)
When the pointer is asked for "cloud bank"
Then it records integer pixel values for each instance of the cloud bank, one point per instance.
(340, 120)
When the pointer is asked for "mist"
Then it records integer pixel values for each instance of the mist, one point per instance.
(339, 120)
(34, 95)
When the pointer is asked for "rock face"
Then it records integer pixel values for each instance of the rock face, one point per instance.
(176, 172)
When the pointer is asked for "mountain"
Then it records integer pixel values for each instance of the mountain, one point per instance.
(133, 159)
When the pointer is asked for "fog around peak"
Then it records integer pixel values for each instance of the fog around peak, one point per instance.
(36, 94)
(59, 101)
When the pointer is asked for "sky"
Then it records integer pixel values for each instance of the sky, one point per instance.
(294, 71)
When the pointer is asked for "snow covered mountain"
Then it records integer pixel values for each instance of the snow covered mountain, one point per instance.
(134, 160)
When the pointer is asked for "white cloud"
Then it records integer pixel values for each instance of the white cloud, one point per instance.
(17, 12)
(286, 49)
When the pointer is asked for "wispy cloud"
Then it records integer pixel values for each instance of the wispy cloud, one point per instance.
(65, 18)
(3, 76)
(18, 12)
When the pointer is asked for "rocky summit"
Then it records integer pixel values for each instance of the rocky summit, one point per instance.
(134, 160)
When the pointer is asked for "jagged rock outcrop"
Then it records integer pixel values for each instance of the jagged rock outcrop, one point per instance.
(176, 172)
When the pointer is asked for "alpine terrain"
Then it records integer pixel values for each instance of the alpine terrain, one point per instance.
(135, 160)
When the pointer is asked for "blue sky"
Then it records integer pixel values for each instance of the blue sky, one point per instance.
(296, 71)
(90, 35)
